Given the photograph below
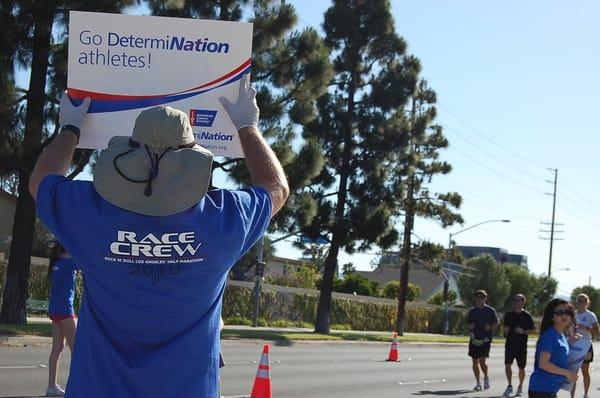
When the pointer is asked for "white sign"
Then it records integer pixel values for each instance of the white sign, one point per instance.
(577, 353)
(127, 64)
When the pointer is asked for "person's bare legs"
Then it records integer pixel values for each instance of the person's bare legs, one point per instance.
(476, 369)
(68, 327)
(585, 371)
(508, 372)
(521, 376)
(58, 343)
(484, 367)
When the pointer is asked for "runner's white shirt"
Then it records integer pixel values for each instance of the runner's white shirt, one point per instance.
(587, 319)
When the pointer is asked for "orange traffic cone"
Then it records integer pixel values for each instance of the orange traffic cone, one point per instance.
(262, 382)
(393, 356)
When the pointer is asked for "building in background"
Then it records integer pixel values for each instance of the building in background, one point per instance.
(500, 255)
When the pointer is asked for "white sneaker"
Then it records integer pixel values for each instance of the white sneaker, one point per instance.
(486, 384)
(519, 391)
(508, 392)
(477, 387)
(55, 391)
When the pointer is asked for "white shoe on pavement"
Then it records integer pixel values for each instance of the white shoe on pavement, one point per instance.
(477, 387)
(508, 392)
(519, 391)
(486, 383)
(55, 391)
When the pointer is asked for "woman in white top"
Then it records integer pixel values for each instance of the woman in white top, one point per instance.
(587, 325)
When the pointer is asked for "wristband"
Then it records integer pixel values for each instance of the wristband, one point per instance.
(73, 129)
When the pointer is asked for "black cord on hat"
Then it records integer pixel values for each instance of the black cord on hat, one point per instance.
(153, 172)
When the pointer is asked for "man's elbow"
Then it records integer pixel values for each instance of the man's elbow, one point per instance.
(279, 195)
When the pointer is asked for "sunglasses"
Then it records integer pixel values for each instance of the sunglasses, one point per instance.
(480, 297)
(563, 312)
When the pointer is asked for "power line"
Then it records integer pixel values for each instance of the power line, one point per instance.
(486, 202)
(528, 187)
(511, 152)
(490, 154)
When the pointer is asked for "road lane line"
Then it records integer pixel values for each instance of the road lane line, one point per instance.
(23, 367)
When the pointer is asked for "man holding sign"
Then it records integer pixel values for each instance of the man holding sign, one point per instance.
(155, 246)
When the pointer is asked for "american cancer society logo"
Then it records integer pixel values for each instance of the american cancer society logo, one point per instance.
(202, 117)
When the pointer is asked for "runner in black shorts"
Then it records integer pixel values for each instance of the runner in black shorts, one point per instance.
(482, 321)
(518, 323)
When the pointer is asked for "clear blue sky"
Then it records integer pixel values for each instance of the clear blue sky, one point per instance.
(517, 85)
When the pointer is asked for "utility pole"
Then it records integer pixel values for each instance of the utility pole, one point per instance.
(552, 224)
(259, 271)
(406, 252)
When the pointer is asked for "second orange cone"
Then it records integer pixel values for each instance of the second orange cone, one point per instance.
(262, 382)
(394, 356)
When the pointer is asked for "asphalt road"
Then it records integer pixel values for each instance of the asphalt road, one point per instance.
(312, 370)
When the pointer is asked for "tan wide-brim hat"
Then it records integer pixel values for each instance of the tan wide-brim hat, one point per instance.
(159, 170)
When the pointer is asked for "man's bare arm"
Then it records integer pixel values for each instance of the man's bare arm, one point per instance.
(54, 160)
(265, 169)
(57, 156)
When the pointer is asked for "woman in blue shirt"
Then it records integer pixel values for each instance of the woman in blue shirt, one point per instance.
(552, 351)
(61, 272)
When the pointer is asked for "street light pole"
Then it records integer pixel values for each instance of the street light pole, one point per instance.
(446, 278)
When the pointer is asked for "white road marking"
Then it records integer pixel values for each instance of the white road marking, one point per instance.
(408, 383)
(23, 367)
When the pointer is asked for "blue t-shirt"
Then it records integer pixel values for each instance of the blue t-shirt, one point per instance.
(149, 319)
(556, 344)
(62, 287)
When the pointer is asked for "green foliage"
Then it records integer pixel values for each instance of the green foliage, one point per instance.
(545, 290)
(503, 281)
(305, 277)
(300, 310)
(438, 298)
(487, 275)
(357, 284)
(372, 82)
(593, 294)
(392, 290)
(521, 281)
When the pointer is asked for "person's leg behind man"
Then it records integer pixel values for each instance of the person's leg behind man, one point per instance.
(69, 328)
(58, 343)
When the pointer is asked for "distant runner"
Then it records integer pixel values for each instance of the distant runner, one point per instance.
(482, 322)
(518, 323)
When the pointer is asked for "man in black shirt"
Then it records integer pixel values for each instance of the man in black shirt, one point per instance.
(482, 322)
(518, 323)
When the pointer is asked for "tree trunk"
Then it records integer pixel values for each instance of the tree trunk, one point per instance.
(405, 260)
(339, 236)
(17, 274)
(409, 219)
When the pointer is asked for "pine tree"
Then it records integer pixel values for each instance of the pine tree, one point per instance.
(29, 27)
(359, 131)
(419, 164)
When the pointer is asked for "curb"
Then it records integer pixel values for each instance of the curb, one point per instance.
(24, 341)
